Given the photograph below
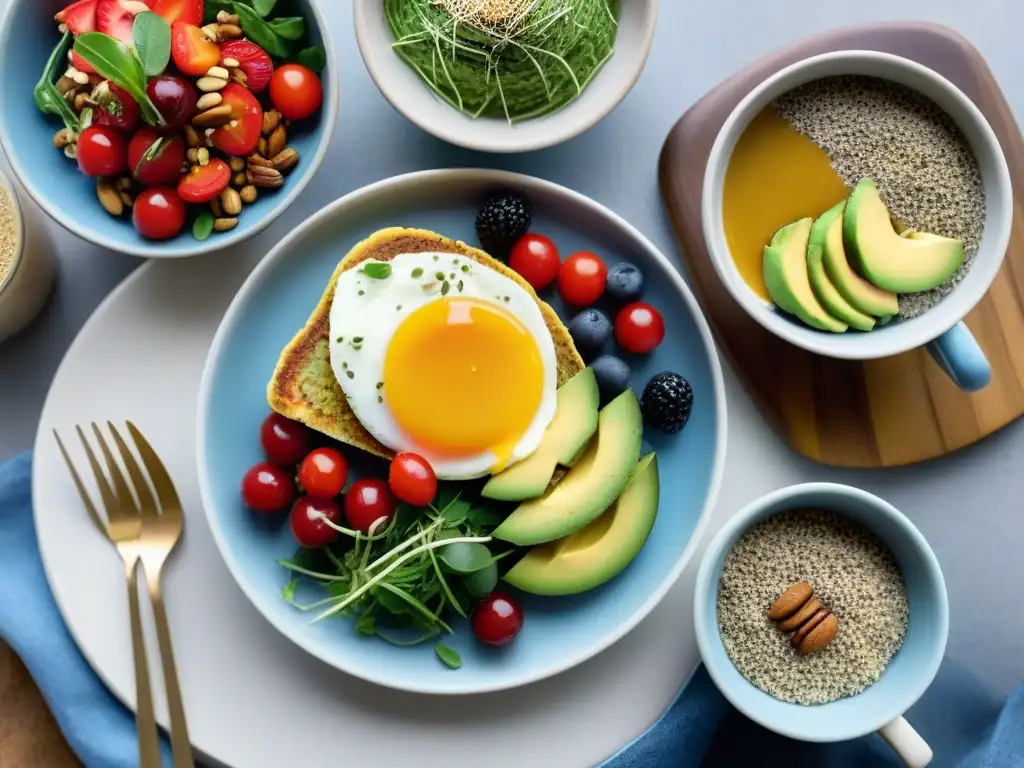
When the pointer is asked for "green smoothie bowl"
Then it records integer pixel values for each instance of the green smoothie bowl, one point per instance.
(517, 75)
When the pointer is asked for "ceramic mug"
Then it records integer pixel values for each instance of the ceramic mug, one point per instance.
(940, 329)
(26, 284)
(879, 707)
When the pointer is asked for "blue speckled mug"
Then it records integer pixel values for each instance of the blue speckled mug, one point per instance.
(941, 329)
(881, 706)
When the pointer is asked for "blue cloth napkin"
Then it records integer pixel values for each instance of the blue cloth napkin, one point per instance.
(963, 723)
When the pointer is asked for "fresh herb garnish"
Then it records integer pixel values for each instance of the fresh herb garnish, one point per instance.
(377, 270)
(465, 267)
(46, 96)
(340, 339)
(439, 275)
(350, 374)
(399, 582)
(288, 27)
(261, 33)
(203, 226)
(120, 64)
(152, 38)
(357, 339)
(263, 7)
(448, 655)
(417, 272)
(460, 286)
(445, 287)
(314, 59)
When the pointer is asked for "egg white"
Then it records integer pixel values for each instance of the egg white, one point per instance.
(367, 311)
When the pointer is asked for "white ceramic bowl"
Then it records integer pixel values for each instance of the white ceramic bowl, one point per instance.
(896, 337)
(414, 99)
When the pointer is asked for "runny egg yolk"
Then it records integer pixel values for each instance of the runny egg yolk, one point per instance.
(463, 376)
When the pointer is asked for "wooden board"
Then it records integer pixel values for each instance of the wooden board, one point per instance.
(880, 413)
(29, 737)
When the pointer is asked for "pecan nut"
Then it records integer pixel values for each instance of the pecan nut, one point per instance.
(265, 178)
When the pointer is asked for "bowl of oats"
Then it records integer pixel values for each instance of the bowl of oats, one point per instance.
(858, 204)
(821, 613)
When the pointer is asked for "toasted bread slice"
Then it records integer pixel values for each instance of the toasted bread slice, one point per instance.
(304, 388)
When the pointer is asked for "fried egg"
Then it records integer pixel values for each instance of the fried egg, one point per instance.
(444, 357)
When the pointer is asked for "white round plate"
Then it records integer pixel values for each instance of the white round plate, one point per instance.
(253, 699)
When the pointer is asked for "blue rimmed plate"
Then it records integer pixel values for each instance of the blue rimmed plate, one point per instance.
(276, 301)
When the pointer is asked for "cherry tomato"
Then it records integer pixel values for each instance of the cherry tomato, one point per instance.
(204, 182)
(284, 441)
(582, 279)
(497, 619)
(158, 213)
(115, 107)
(162, 170)
(266, 488)
(639, 328)
(102, 151)
(535, 257)
(323, 472)
(412, 479)
(307, 521)
(367, 501)
(296, 91)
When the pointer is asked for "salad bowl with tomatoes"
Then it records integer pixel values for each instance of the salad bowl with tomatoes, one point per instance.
(166, 128)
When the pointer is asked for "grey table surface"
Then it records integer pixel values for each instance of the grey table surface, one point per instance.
(968, 505)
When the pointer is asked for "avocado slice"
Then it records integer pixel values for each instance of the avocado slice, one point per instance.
(601, 550)
(901, 264)
(590, 487)
(574, 424)
(785, 274)
(823, 288)
(862, 295)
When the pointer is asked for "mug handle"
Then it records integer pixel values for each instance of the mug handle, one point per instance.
(959, 355)
(906, 742)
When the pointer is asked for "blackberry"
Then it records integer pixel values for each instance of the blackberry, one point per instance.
(667, 402)
(502, 220)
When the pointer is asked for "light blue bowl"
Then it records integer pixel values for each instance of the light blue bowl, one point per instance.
(909, 673)
(27, 37)
(277, 299)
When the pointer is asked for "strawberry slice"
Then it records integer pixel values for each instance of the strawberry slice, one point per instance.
(254, 61)
(79, 17)
(115, 17)
(188, 11)
(81, 64)
(242, 134)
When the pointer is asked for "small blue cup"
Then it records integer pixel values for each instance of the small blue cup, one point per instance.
(881, 706)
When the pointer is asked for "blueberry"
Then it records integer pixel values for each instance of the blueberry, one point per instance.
(613, 377)
(590, 330)
(625, 284)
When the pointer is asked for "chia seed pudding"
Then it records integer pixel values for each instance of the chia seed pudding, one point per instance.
(925, 171)
(853, 574)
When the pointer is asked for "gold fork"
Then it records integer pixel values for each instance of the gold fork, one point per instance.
(156, 533)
